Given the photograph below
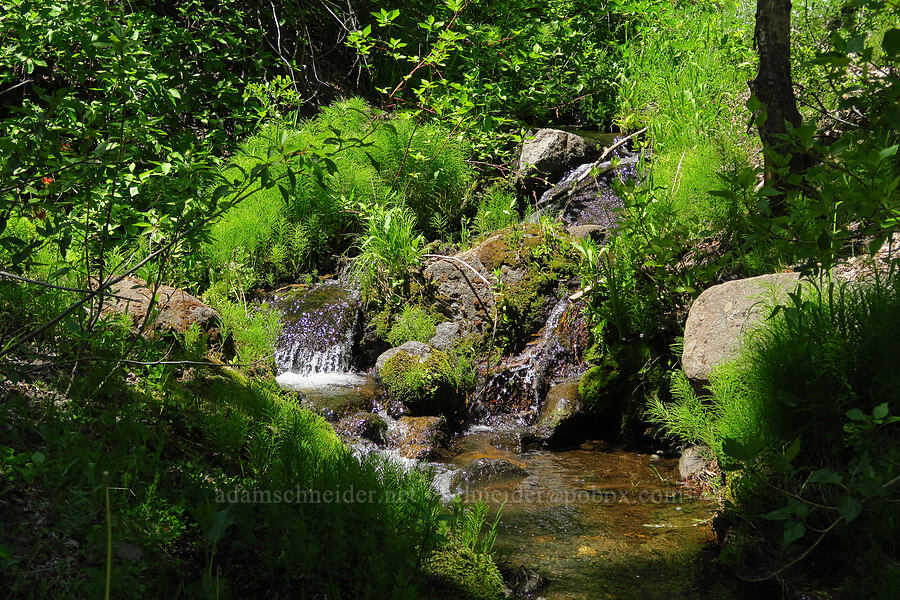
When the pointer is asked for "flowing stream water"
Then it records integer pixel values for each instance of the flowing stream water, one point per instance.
(595, 521)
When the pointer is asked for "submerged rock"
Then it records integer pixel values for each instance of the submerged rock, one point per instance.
(485, 471)
(174, 311)
(419, 437)
(722, 315)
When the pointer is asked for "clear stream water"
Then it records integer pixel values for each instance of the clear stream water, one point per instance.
(595, 521)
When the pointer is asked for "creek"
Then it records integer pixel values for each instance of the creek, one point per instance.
(593, 521)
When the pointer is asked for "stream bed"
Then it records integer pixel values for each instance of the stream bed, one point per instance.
(596, 521)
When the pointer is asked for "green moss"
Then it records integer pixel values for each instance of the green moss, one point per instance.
(437, 385)
(455, 572)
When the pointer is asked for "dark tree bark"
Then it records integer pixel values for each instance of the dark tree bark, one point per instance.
(774, 88)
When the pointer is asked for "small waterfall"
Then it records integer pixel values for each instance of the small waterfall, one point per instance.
(319, 330)
(520, 383)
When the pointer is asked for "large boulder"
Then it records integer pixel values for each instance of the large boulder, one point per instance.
(551, 152)
(174, 311)
(722, 314)
(520, 260)
(426, 386)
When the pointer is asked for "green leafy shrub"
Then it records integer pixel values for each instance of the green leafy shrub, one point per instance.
(804, 418)
(414, 323)
(254, 329)
(389, 248)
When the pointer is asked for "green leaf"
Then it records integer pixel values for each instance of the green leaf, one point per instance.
(793, 531)
(38, 458)
(849, 508)
(825, 476)
(891, 42)
(856, 415)
(881, 411)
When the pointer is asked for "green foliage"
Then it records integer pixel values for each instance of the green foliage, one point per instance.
(496, 210)
(389, 249)
(253, 328)
(204, 469)
(491, 69)
(805, 417)
(385, 175)
(414, 323)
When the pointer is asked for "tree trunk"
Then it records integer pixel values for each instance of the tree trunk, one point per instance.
(774, 89)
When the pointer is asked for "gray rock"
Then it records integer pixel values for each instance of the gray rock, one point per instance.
(552, 152)
(174, 311)
(561, 407)
(693, 460)
(722, 315)
(598, 233)
(445, 335)
(419, 349)
(485, 471)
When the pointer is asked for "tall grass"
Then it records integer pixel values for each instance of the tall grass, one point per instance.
(377, 161)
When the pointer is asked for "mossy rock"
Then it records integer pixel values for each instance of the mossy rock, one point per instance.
(454, 572)
(426, 386)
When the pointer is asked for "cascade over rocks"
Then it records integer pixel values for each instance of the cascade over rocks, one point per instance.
(722, 314)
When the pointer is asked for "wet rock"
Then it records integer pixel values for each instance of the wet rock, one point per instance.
(418, 349)
(550, 153)
(722, 314)
(419, 437)
(523, 582)
(485, 471)
(336, 405)
(174, 311)
(561, 410)
(693, 460)
(364, 425)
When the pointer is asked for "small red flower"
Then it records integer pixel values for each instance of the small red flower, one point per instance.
(39, 213)
(47, 180)
(65, 147)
